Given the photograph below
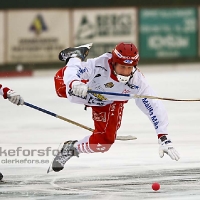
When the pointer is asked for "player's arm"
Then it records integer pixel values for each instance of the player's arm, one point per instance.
(11, 95)
(77, 75)
(157, 114)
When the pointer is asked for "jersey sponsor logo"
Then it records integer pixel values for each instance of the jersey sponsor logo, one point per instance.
(128, 61)
(100, 117)
(120, 112)
(98, 75)
(101, 67)
(100, 147)
(117, 112)
(99, 96)
(81, 71)
(99, 88)
(113, 106)
(151, 113)
(132, 86)
(95, 101)
(109, 85)
(126, 91)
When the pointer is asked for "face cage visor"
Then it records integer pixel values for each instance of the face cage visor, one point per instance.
(122, 79)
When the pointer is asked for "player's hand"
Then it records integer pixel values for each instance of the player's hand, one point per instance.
(166, 147)
(14, 97)
(79, 88)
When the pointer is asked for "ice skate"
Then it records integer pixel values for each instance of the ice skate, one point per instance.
(71, 52)
(68, 150)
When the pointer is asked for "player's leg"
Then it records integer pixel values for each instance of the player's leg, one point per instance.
(107, 120)
(71, 52)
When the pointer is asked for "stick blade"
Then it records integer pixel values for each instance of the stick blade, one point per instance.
(127, 137)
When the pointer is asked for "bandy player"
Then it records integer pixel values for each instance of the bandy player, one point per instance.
(13, 97)
(111, 72)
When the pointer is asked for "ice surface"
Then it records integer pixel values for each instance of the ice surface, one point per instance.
(128, 169)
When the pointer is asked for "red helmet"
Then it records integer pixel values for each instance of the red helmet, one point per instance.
(125, 54)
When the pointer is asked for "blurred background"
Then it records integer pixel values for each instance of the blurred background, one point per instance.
(32, 33)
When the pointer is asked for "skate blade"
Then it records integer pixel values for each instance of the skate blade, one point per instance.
(50, 166)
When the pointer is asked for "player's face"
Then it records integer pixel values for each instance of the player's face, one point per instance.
(123, 70)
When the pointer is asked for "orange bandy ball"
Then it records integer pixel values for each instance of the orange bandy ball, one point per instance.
(155, 186)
